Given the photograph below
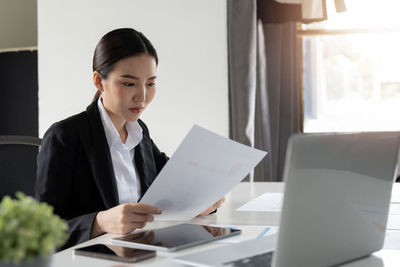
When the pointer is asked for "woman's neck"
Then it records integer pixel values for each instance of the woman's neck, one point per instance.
(119, 124)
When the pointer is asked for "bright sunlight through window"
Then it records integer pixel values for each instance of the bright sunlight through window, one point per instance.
(351, 68)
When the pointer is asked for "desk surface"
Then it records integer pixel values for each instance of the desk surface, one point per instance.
(227, 214)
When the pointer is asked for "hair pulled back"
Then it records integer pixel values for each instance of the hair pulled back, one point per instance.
(119, 44)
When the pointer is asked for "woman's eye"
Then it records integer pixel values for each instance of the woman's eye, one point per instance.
(129, 84)
(151, 84)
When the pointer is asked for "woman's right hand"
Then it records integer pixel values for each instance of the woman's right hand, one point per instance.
(123, 218)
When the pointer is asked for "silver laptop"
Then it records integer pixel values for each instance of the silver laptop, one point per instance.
(335, 207)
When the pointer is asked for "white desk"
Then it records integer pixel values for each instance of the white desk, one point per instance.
(227, 214)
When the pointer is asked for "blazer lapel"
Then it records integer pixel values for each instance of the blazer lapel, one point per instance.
(145, 164)
(100, 159)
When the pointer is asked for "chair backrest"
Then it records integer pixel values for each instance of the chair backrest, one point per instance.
(18, 164)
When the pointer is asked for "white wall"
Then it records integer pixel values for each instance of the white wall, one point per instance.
(18, 24)
(190, 37)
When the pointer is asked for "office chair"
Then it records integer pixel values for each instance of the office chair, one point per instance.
(18, 164)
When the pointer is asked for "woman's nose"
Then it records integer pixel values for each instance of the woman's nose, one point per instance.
(140, 96)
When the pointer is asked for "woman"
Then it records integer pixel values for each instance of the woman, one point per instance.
(94, 167)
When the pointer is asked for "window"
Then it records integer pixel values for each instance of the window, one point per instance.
(351, 68)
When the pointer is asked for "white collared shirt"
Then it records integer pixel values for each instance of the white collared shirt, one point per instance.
(122, 155)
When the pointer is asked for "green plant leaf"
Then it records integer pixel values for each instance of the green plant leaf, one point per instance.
(28, 229)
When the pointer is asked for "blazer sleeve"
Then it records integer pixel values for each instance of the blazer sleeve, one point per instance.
(160, 158)
(55, 171)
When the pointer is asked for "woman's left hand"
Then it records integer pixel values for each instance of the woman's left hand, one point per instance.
(213, 207)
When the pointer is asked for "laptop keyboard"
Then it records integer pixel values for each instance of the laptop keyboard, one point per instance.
(264, 260)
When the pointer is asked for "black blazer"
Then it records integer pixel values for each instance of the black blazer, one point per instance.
(75, 173)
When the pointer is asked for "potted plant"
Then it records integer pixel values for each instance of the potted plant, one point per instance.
(29, 232)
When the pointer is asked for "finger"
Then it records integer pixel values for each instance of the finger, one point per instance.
(137, 217)
(130, 227)
(219, 203)
(215, 206)
(143, 208)
(208, 211)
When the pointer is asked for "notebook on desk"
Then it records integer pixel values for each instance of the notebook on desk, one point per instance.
(335, 208)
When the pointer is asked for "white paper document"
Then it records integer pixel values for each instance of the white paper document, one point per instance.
(394, 208)
(204, 168)
(265, 202)
(393, 222)
(395, 193)
(392, 240)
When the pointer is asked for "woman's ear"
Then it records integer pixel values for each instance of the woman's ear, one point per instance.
(97, 80)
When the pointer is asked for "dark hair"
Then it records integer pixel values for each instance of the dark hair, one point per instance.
(119, 44)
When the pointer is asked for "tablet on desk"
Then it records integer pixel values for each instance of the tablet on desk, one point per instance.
(175, 237)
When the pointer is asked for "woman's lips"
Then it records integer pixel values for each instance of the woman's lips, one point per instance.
(136, 110)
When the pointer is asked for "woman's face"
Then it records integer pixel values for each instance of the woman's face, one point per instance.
(129, 87)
